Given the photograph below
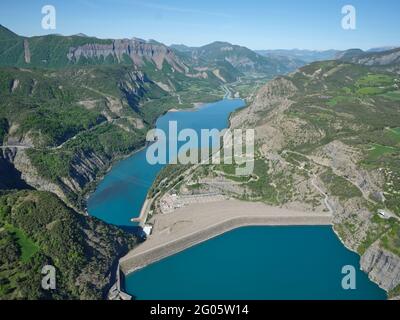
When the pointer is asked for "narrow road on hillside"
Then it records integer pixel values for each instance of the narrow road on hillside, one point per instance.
(228, 93)
(313, 181)
(365, 196)
(326, 197)
(15, 147)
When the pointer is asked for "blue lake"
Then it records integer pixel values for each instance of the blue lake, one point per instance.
(257, 263)
(247, 263)
(120, 195)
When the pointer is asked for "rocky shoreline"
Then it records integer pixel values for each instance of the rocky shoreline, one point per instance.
(274, 100)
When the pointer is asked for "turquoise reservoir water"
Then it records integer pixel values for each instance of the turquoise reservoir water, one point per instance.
(120, 195)
(256, 263)
(248, 263)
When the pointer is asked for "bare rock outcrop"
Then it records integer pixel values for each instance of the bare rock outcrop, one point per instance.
(138, 50)
(382, 266)
(272, 95)
(277, 130)
(84, 170)
(30, 175)
(27, 52)
(344, 159)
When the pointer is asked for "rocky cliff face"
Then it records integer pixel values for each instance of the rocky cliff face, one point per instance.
(21, 162)
(16, 167)
(383, 59)
(382, 266)
(138, 50)
(84, 170)
(276, 92)
(10, 176)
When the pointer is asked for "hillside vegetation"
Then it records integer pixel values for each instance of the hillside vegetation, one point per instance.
(37, 229)
(70, 107)
(327, 139)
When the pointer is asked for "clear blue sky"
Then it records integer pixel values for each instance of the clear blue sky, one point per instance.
(257, 24)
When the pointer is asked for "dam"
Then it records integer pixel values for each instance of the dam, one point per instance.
(208, 245)
(194, 224)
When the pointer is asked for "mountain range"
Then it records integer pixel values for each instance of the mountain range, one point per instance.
(217, 59)
(386, 60)
(306, 56)
(241, 58)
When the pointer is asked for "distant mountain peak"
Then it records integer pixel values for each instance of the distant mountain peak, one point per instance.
(221, 43)
(380, 49)
(389, 59)
(181, 47)
(349, 54)
(136, 39)
(301, 54)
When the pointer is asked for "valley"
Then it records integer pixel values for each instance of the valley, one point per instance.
(83, 104)
(73, 107)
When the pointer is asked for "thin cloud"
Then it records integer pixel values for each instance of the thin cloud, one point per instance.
(151, 5)
(180, 10)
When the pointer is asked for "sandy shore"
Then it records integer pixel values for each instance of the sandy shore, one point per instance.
(188, 226)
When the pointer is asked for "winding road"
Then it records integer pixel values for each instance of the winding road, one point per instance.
(15, 147)
(228, 93)
(313, 180)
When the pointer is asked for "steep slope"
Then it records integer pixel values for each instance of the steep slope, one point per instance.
(349, 54)
(92, 107)
(388, 59)
(182, 48)
(328, 139)
(340, 121)
(6, 34)
(40, 111)
(72, 124)
(11, 47)
(70, 107)
(37, 229)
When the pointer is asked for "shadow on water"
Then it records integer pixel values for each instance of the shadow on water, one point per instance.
(116, 189)
(109, 193)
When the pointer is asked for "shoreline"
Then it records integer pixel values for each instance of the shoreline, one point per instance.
(198, 223)
(157, 253)
(95, 183)
(142, 218)
(355, 251)
(220, 229)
